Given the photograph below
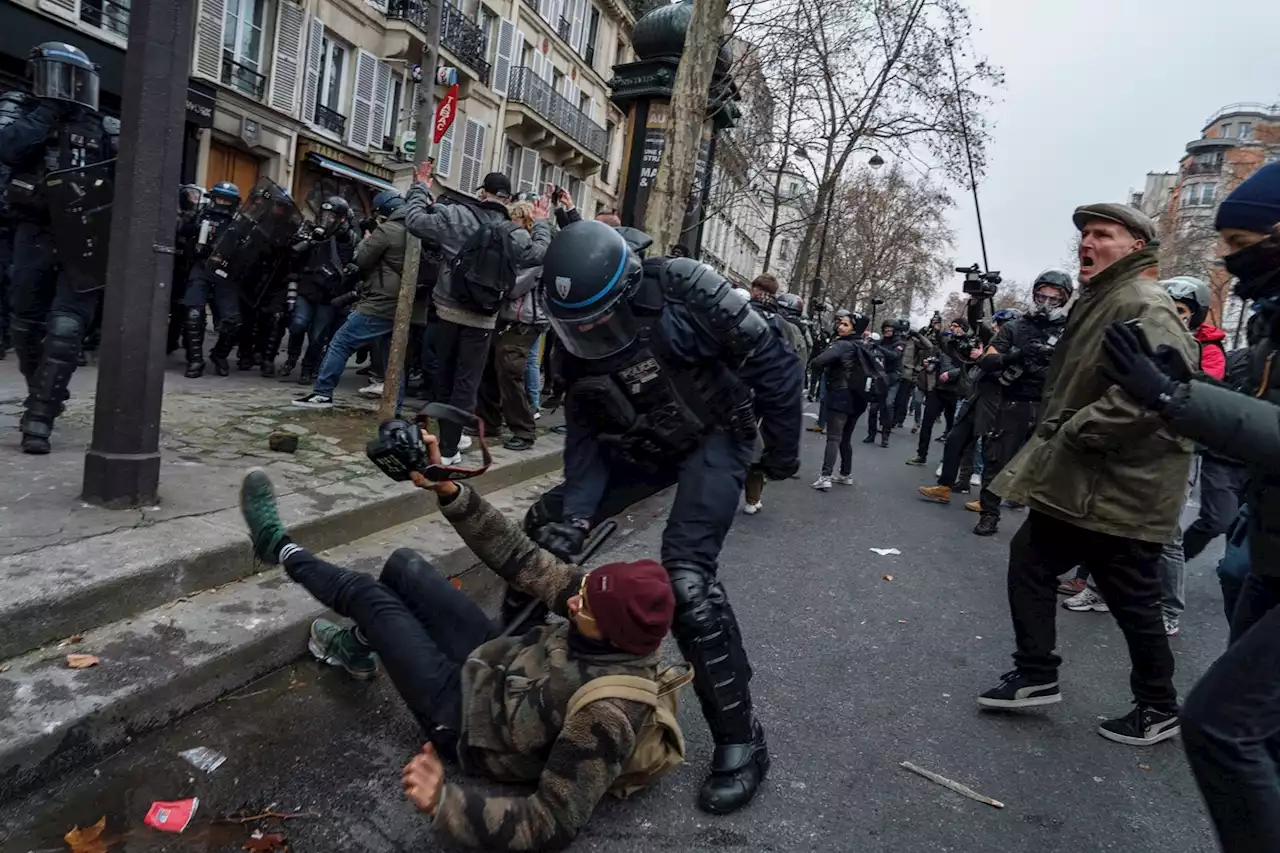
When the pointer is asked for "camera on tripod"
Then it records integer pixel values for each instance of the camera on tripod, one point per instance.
(979, 283)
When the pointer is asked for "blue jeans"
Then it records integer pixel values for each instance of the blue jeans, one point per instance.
(358, 329)
(313, 320)
(533, 373)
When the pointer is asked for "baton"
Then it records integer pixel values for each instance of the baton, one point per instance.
(597, 538)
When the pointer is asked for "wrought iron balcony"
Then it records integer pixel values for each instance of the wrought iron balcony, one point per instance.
(531, 90)
(465, 40)
(242, 78)
(564, 28)
(410, 11)
(331, 120)
(107, 14)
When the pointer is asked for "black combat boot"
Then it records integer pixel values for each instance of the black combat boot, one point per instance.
(193, 333)
(49, 383)
(218, 355)
(987, 525)
(307, 375)
(707, 633)
(267, 368)
(287, 368)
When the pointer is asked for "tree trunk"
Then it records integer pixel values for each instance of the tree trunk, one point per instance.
(670, 195)
(775, 202)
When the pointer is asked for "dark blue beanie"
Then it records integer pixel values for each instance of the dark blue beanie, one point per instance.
(1255, 204)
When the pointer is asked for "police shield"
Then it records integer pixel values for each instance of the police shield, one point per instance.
(79, 203)
(248, 247)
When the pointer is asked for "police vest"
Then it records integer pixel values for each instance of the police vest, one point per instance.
(74, 143)
(652, 413)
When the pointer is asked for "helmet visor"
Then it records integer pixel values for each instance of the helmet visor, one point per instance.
(600, 335)
(64, 82)
(1050, 296)
(223, 203)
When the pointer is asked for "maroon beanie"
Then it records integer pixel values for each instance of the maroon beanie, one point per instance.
(632, 604)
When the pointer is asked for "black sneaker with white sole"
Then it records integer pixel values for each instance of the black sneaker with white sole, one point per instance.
(1020, 691)
(1143, 726)
(314, 401)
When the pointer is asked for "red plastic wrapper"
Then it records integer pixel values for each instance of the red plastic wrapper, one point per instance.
(171, 817)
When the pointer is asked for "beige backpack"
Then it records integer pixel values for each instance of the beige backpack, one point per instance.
(659, 742)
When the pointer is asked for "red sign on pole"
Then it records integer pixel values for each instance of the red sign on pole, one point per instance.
(445, 113)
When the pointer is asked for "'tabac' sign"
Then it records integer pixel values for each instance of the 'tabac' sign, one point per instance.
(445, 113)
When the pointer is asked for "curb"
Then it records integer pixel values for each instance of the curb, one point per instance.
(65, 589)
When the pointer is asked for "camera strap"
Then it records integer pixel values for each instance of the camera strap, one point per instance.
(442, 412)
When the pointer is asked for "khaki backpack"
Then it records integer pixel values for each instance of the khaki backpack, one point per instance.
(659, 741)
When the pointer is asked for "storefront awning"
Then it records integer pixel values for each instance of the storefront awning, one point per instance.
(348, 172)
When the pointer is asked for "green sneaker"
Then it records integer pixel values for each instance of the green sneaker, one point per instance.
(258, 506)
(339, 646)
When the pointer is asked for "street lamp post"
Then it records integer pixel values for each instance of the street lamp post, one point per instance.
(122, 466)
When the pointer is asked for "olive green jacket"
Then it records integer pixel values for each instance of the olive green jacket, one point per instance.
(1097, 459)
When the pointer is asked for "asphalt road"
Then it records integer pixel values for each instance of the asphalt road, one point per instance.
(854, 673)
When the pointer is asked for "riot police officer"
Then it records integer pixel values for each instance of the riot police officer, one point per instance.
(321, 258)
(1019, 356)
(11, 104)
(201, 236)
(662, 358)
(58, 129)
(880, 414)
(190, 200)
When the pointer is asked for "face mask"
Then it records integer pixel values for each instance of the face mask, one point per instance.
(1256, 268)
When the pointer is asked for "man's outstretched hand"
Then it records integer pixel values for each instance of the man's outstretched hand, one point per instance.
(423, 780)
(443, 488)
(1150, 381)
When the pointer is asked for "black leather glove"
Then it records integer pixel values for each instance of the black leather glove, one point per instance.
(1013, 357)
(563, 538)
(1038, 350)
(776, 466)
(1143, 377)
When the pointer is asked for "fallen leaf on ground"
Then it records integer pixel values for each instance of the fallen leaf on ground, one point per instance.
(272, 842)
(4, 667)
(887, 577)
(89, 839)
(82, 661)
(1144, 766)
(457, 584)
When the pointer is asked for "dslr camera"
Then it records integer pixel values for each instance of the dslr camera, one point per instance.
(978, 283)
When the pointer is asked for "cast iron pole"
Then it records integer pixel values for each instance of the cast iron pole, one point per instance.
(413, 246)
(122, 467)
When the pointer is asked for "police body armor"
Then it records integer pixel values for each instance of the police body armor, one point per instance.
(247, 248)
(651, 413)
(80, 203)
(76, 143)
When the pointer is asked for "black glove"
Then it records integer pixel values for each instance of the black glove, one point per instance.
(1038, 350)
(563, 538)
(778, 467)
(1013, 357)
(1141, 376)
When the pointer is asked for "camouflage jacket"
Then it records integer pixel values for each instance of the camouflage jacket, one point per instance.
(515, 691)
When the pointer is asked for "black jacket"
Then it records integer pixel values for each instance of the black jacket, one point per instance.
(1246, 426)
(837, 362)
(320, 267)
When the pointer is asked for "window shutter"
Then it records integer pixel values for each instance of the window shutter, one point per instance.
(444, 156)
(207, 56)
(578, 24)
(517, 57)
(528, 170)
(68, 9)
(381, 93)
(311, 80)
(502, 59)
(287, 59)
(545, 9)
(360, 123)
(472, 155)
(592, 115)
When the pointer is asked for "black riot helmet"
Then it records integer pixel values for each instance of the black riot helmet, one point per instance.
(790, 306)
(1045, 303)
(334, 213)
(386, 202)
(224, 198)
(63, 72)
(189, 197)
(589, 274)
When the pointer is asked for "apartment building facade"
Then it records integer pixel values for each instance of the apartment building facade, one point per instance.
(320, 95)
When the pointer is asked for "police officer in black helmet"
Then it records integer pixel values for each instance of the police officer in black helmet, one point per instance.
(200, 237)
(663, 359)
(59, 128)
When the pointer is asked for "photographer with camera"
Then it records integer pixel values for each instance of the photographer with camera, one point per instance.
(568, 706)
(376, 268)
(944, 381)
(1103, 479)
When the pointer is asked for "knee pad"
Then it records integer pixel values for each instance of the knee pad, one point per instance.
(63, 335)
(698, 596)
(195, 316)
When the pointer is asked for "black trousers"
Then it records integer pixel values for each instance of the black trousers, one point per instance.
(503, 398)
(422, 627)
(962, 436)
(1127, 572)
(1231, 726)
(460, 354)
(880, 414)
(937, 402)
(1014, 420)
(840, 427)
(902, 401)
(6, 258)
(1221, 486)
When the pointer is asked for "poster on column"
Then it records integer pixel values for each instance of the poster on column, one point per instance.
(694, 215)
(655, 141)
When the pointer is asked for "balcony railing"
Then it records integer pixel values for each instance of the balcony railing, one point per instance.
(243, 78)
(564, 28)
(107, 14)
(331, 120)
(531, 90)
(411, 11)
(465, 40)
(1204, 168)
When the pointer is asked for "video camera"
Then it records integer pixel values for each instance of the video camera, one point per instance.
(979, 283)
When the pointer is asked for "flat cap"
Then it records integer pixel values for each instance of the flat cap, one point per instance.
(1138, 223)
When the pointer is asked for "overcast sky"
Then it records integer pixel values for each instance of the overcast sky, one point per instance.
(1098, 93)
